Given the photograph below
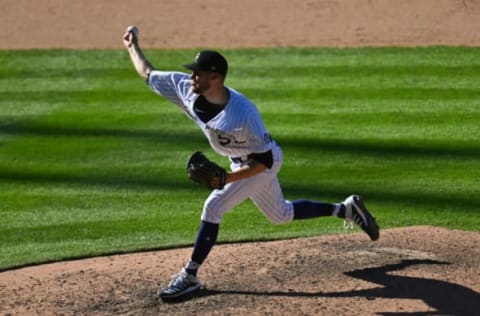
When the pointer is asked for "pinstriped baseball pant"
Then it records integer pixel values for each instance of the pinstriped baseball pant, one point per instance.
(263, 189)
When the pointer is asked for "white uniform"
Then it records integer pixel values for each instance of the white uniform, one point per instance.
(236, 131)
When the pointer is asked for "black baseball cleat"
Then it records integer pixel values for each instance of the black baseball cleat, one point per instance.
(183, 285)
(356, 212)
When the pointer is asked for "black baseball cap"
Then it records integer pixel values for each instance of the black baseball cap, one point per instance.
(209, 60)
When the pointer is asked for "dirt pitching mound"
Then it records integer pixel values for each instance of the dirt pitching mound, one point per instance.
(415, 270)
(409, 271)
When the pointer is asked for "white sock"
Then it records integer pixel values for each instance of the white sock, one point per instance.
(338, 208)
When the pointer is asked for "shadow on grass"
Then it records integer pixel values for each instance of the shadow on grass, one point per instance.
(167, 182)
(294, 71)
(162, 180)
(25, 127)
(153, 181)
(9, 126)
(438, 200)
(446, 298)
(292, 94)
(389, 148)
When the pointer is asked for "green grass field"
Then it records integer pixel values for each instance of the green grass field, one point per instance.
(92, 162)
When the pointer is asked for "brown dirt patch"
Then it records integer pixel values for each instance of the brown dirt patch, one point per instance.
(246, 23)
(415, 270)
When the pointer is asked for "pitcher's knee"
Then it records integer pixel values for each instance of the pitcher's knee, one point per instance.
(280, 215)
(212, 212)
(209, 215)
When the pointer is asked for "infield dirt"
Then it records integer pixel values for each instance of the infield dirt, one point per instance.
(409, 271)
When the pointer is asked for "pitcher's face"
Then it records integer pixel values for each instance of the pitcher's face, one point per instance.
(201, 81)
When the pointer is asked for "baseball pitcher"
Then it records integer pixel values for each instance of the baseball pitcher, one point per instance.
(234, 128)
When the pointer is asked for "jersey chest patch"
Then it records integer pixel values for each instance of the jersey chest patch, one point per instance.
(235, 138)
(226, 139)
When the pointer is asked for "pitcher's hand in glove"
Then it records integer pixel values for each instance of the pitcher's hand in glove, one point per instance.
(206, 172)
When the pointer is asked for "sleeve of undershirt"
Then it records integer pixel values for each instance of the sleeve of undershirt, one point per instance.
(265, 158)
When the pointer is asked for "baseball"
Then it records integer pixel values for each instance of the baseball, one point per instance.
(133, 29)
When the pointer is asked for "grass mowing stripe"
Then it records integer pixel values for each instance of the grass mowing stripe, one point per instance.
(365, 94)
(91, 162)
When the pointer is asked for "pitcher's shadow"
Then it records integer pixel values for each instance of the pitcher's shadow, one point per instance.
(445, 297)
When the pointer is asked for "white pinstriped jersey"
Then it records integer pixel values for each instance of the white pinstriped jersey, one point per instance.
(236, 131)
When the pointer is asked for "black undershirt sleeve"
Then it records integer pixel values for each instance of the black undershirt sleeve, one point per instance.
(265, 158)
